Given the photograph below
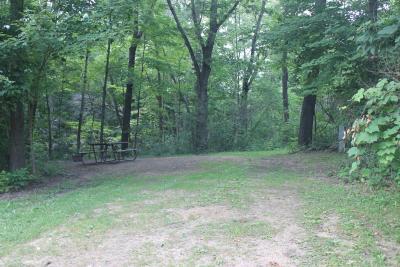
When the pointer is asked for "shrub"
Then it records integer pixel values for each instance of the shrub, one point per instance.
(376, 134)
(12, 181)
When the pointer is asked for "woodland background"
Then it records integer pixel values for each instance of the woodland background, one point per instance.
(177, 77)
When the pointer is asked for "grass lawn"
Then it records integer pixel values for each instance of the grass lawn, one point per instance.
(225, 209)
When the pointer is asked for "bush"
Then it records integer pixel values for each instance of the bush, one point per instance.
(376, 135)
(12, 181)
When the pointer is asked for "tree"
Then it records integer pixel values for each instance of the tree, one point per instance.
(202, 64)
(126, 118)
(308, 107)
(17, 136)
(250, 72)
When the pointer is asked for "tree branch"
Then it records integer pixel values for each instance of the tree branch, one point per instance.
(185, 38)
(252, 70)
(196, 21)
(230, 11)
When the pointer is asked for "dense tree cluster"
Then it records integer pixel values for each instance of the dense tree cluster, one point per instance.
(180, 76)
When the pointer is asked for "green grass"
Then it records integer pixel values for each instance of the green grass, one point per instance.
(365, 218)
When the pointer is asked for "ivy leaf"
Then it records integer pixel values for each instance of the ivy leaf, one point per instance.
(366, 138)
(388, 30)
(353, 152)
(390, 132)
(373, 127)
(359, 96)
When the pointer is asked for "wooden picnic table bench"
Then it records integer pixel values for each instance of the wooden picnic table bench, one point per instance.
(108, 152)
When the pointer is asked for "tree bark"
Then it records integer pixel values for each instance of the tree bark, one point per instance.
(17, 136)
(32, 107)
(307, 120)
(135, 142)
(160, 109)
(201, 130)
(104, 93)
(49, 126)
(126, 118)
(285, 79)
(82, 108)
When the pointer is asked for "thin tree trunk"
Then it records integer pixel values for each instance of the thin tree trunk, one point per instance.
(32, 107)
(104, 94)
(60, 104)
(82, 108)
(160, 109)
(249, 76)
(285, 78)
(243, 115)
(236, 120)
(49, 130)
(135, 143)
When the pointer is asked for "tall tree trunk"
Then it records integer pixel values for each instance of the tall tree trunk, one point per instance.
(135, 143)
(49, 126)
(32, 107)
(126, 118)
(202, 66)
(243, 114)
(160, 108)
(83, 96)
(17, 135)
(249, 75)
(308, 107)
(201, 130)
(285, 79)
(104, 93)
(307, 120)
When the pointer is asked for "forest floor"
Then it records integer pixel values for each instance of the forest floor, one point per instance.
(229, 209)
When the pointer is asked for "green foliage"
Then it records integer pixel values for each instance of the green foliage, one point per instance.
(376, 135)
(12, 181)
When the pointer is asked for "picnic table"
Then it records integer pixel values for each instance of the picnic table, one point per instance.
(108, 152)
